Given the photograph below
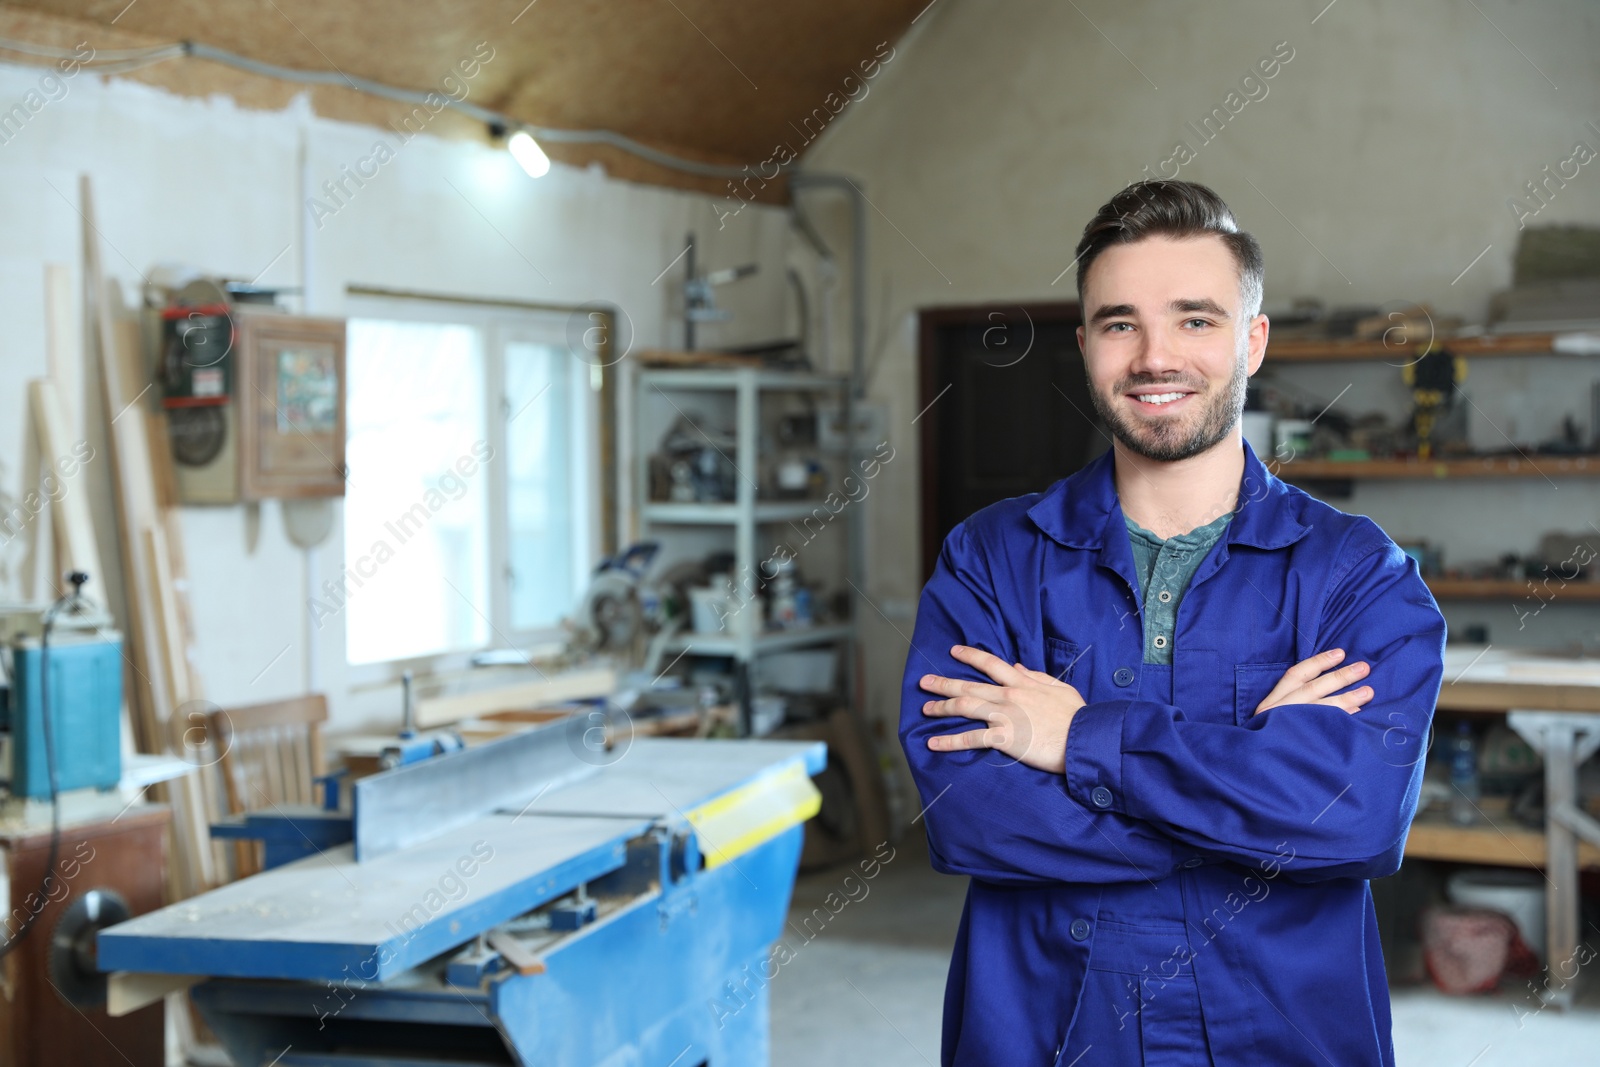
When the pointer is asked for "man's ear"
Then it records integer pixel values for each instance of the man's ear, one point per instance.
(1080, 340)
(1257, 342)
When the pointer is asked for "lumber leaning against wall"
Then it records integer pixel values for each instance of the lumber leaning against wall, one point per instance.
(161, 670)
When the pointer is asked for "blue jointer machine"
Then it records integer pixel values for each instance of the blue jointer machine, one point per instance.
(529, 901)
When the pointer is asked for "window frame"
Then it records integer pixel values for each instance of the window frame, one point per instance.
(591, 441)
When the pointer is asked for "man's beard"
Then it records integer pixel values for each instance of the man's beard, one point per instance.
(1165, 440)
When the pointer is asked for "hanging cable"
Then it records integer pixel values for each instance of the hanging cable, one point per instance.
(28, 48)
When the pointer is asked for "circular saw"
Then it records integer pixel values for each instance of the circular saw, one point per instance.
(73, 960)
(611, 616)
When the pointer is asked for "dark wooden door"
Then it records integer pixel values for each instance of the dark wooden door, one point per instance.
(1004, 409)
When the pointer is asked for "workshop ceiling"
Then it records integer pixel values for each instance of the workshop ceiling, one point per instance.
(716, 80)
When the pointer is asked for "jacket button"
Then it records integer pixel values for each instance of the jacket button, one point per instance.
(1193, 861)
(1101, 797)
(1079, 929)
(1124, 676)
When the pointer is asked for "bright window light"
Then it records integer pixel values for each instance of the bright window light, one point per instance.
(416, 510)
(470, 509)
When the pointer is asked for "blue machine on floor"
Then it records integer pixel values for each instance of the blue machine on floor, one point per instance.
(511, 903)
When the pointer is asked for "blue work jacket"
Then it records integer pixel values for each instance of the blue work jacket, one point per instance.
(1263, 829)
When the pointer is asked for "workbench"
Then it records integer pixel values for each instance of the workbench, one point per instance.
(526, 901)
(1554, 704)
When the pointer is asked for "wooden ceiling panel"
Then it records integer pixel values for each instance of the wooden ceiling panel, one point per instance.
(718, 80)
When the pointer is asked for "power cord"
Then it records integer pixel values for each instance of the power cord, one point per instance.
(72, 600)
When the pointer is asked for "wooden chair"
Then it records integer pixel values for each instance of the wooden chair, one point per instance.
(271, 756)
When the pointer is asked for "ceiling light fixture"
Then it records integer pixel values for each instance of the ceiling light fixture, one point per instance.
(526, 151)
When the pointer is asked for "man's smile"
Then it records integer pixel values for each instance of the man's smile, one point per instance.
(1163, 398)
(1160, 401)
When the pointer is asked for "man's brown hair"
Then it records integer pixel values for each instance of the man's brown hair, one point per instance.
(1177, 209)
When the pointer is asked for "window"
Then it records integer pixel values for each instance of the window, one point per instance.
(469, 504)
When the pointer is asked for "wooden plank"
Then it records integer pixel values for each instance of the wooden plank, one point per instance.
(163, 471)
(75, 540)
(193, 846)
(128, 991)
(128, 450)
(515, 953)
(164, 643)
(65, 368)
(300, 711)
(35, 545)
(1500, 680)
(241, 757)
(179, 617)
(293, 766)
(1470, 467)
(124, 388)
(570, 685)
(667, 357)
(1508, 589)
(302, 767)
(1503, 844)
(1503, 696)
(319, 758)
(272, 761)
(63, 347)
(165, 586)
(1332, 350)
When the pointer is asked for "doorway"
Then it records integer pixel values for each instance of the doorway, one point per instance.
(1004, 409)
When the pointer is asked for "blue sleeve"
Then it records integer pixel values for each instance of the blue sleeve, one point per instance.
(1325, 793)
(987, 816)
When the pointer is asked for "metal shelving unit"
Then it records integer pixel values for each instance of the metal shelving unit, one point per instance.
(748, 513)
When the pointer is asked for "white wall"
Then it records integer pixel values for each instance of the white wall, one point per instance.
(205, 184)
(1375, 169)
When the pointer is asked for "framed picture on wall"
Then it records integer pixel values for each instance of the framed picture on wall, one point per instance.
(291, 407)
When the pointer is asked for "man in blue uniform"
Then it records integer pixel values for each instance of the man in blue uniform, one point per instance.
(1169, 715)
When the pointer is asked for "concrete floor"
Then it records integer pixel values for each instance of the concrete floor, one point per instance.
(867, 988)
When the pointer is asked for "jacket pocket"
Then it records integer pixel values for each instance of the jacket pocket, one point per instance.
(1251, 684)
(1068, 662)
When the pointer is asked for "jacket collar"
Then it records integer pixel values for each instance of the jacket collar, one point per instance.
(1079, 510)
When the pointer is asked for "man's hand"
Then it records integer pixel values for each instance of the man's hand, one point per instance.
(1028, 712)
(1312, 680)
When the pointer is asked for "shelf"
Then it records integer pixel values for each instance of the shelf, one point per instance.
(772, 641)
(727, 514)
(1483, 467)
(1504, 844)
(1509, 589)
(718, 378)
(1330, 350)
